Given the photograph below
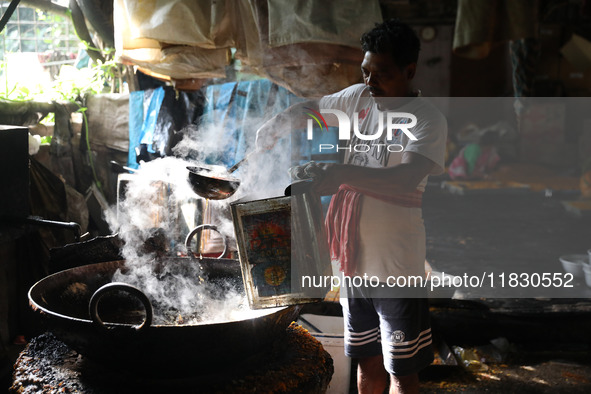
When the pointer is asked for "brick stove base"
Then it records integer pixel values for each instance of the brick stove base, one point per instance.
(298, 364)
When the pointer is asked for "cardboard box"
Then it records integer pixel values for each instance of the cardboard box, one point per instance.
(575, 66)
(543, 122)
(573, 79)
(578, 52)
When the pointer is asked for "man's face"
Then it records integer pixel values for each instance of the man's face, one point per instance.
(384, 78)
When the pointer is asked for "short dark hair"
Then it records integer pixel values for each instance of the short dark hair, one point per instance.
(394, 38)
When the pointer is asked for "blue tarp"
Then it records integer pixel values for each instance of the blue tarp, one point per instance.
(144, 107)
(242, 107)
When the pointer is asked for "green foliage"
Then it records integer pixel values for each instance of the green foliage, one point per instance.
(34, 30)
(71, 84)
(51, 33)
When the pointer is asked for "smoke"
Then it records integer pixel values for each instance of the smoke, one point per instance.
(147, 219)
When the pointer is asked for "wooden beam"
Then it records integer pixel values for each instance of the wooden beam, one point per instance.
(23, 107)
(48, 6)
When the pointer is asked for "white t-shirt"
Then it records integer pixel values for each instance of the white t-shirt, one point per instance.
(391, 237)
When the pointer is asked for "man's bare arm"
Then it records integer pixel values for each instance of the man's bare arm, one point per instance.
(402, 178)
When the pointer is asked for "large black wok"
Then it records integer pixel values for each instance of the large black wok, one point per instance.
(62, 299)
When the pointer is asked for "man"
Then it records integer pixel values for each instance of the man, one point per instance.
(374, 222)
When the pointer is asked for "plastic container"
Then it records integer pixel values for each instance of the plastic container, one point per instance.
(587, 272)
(573, 263)
(329, 330)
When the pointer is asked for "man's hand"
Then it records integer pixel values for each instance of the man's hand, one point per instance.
(327, 176)
(402, 178)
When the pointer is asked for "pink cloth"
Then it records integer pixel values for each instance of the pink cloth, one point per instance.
(458, 168)
(486, 162)
(342, 221)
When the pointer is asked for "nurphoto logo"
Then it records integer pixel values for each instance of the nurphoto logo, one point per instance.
(402, 121)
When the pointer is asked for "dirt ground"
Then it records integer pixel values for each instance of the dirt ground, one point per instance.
(494, 231)
(546, 343)
(526, 372)
(524, 232)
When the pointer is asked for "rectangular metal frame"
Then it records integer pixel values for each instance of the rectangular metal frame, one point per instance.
(242, 213)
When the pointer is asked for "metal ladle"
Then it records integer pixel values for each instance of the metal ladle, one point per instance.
(212, 185)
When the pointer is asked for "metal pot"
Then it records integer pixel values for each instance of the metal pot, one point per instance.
(63, 299)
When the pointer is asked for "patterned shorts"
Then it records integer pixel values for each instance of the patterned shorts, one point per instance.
(397, 328)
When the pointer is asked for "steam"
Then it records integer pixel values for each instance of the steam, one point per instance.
(147, 220)
(263, 174)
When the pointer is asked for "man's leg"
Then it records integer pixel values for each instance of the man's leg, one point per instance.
(408, 384)
(372, 378)
(406, 340)
(363, 342)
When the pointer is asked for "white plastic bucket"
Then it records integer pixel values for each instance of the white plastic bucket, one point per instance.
(332, 337)
(587, 272)
(573, 264)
